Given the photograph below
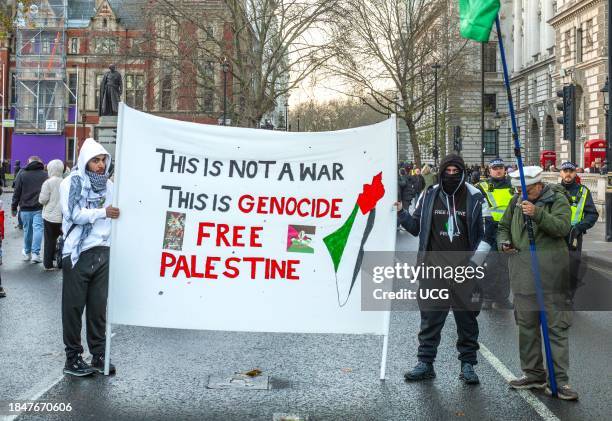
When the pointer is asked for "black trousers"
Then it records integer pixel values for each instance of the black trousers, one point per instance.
(52, 231)
(576, 271)
(432, 322)
(85, 286)
(496, 284)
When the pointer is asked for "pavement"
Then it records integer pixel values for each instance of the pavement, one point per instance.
(162, 373)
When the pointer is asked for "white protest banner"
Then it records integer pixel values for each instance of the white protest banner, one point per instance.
(238, 229)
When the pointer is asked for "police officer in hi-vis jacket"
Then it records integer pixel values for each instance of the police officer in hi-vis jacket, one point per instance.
(584, 216)
(498, 191)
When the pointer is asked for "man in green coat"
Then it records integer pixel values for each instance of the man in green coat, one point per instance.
(550, 212)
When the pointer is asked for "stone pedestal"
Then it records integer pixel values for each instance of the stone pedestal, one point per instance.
(105, 132)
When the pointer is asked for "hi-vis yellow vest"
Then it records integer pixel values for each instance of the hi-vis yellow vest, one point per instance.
(498, 199)
(577, 203)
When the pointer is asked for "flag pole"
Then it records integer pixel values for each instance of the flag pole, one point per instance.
(532, 246)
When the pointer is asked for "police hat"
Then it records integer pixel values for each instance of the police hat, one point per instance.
(568, 166)
(497, 162)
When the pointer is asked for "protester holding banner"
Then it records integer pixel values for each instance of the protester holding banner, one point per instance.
(85, 197)
(549, 210)
(449, 220)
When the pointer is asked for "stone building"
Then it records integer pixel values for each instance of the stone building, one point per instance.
(582, 59)
(552, 44)
(460, 98)
(531, 58)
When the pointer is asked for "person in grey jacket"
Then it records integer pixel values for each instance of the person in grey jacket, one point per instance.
(52, 210)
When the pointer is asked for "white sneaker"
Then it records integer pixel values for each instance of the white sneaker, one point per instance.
(26, 256)
(36, 258)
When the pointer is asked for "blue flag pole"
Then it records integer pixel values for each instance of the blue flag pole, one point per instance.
(535, 266)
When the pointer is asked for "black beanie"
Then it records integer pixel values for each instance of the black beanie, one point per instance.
(452, 159)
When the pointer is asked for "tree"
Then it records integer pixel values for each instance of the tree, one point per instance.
(266, 43)
(336, 114)
(383, 51)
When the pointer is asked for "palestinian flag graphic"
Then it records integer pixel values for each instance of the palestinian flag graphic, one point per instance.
(351, 238)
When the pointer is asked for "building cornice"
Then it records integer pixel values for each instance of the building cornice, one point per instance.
(572, 12)
(534, 67)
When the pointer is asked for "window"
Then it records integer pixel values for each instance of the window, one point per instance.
(106, 46)
(579, 45)
(534, 90)
(490, 103)
(74, 46)
(134, 91)
(166, 92)
(550, 85)
(490, 57)
(518, 96)
(567, 45)
(589, 33)
(490, 142)
(97, 89)
(208, 97)
(72, 85)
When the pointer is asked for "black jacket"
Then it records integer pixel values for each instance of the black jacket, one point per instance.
(27, 187)
(419, 223)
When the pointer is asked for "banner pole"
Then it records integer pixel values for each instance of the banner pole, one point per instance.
(116, 175)
(385, 347)
(532, 246)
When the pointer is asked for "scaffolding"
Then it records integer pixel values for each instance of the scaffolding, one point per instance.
(40, 66)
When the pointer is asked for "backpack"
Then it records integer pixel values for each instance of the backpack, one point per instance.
(59, 247)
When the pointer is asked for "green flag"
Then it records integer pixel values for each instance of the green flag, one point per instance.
(477, 18)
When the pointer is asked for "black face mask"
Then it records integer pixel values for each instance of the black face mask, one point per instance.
(452, 182)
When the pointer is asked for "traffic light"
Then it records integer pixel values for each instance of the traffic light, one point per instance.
(568, 109)
(568, 116)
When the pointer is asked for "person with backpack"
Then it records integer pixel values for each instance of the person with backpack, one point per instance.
(549, 210)
(86, 196)
(52, 210)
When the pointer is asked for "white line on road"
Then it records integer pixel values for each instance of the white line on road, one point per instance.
(529, 397)
(37, 391)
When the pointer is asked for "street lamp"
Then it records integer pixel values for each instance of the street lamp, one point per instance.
(286, 115)
(606, 100)
(225, 67)
(436, 153)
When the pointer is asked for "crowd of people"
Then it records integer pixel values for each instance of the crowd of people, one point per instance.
(476, 217)
(67, 215)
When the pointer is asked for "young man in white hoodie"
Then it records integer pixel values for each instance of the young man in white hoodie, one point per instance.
(86, 196)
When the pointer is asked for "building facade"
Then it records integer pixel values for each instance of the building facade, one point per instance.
(129, 34)
(582, 58)
(553, 44)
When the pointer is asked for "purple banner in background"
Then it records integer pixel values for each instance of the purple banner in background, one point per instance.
(47, 147)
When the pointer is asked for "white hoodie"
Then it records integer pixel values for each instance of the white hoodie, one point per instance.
(49, 193)
(81, 213)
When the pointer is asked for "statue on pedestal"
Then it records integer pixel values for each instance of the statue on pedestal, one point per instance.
(111, 89)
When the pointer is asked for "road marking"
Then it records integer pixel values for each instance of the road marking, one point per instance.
(527, 395)
(36, 392)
